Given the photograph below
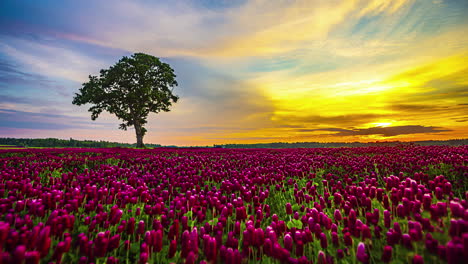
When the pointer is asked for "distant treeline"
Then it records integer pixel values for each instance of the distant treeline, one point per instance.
(278, 145)
(73, 143)
(69, 143)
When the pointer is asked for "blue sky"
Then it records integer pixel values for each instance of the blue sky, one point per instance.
(248, 71)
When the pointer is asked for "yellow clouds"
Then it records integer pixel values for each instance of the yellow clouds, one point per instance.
(398, 102)
(271, 27)
(378, 6)
(274, 27)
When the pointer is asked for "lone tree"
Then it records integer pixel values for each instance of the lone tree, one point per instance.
(131, 89)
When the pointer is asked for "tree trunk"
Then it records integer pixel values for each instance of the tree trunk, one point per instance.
(139, 135)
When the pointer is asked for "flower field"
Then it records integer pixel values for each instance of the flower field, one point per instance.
(404, 204)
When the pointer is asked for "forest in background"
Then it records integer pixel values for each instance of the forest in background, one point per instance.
(64, 143)
(73, 143)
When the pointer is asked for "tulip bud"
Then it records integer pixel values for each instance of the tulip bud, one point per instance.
(361, 253)
(442, 252)
(455, 252)
(323, 240)
(418, 259)
(406, 241)
(348, 240)
(112, 260)
(32, 257)
(365, 232)
(335, 239)
(387, 218)
(83, 260)
(337, 215)
(19, 254)
(141, 227)
(191, 258)
(131, 226)
(172, 249)
(387, 254)
(321, 258)
(289, 210)
(259, 237)
(143, 258)
(288, 242)
(4, 229)
(158, 240)
(340, 253)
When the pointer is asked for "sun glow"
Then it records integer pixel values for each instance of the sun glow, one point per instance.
(382, 124)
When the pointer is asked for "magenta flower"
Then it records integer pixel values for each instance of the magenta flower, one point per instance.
(289, 210)
(19, 254)
(348, 240)
(172, 248)
(417, 259)
(406, 241)
(143, 258)
(191, 258)
(112, 260)
(288, 242)
(365, 232)
(322, 258)
(323, 240)
(131, 226)
(141, 227)
(340, 253)
(361, 254)
(335, 239)
(32, 257)
(387, 254)
(455, 251)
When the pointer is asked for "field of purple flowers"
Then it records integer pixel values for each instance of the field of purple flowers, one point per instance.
(404, 204)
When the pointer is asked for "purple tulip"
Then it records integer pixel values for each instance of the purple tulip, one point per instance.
(289, 210)
(417, 259)
(455, 252)
(340, 253)
(322, 258)
(143, 258)
(112, 260)
(323, 240)
(19, 254)
(172, 248)
(348, 240)
(288, 242)
(361, 254)
(32, 257)
(387, 254)
(406, 241)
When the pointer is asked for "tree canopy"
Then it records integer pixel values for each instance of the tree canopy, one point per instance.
(131, 89)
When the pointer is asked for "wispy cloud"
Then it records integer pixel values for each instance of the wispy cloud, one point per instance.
(382, 131)
(51, 60)
(33, 120)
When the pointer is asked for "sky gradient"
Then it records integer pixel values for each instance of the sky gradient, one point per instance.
(248, 71)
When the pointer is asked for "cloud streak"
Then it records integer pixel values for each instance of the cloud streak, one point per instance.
(44, 121)
(383, 131)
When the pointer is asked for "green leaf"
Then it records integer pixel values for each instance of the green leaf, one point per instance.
(296, 207)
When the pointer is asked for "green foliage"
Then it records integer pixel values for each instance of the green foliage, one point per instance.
(131, 89)
(280, 145)
(9, 143)
(295, 223)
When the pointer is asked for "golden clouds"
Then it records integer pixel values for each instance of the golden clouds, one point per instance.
(378, 6)
(433, 93)
(272, 27)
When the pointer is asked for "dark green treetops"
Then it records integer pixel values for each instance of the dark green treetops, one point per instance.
(131, 89)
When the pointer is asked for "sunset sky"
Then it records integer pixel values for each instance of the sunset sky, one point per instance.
(248, 71)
